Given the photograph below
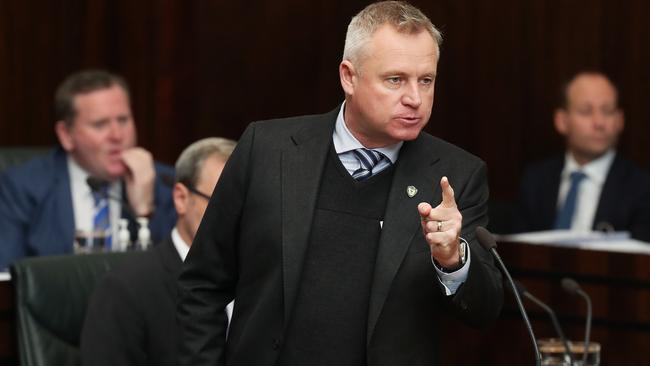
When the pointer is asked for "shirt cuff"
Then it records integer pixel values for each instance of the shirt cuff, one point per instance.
(451, 281)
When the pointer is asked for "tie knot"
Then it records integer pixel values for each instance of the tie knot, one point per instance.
(577, 176)
(100, 193)
(371, 161)
(368, 158)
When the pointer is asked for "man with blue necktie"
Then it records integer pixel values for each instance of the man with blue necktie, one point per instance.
(590, 187)
(340, 234)
(47, 201)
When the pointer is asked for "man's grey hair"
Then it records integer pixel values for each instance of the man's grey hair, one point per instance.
(190, 162)
(405, 18)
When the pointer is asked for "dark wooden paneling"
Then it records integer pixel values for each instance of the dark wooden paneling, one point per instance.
(619, 286)
(201, 68)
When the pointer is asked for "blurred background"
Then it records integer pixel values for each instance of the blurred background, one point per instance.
(205, 68)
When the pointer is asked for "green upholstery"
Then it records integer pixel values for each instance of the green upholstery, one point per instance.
(10, 156)
(51, 298)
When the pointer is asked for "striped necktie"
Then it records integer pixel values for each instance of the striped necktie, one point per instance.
(101, 221)
(372, 162)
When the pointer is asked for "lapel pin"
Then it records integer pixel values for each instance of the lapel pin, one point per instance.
(411, 191)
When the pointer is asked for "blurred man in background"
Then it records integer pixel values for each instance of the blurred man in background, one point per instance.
(47, 202)
(590, 187)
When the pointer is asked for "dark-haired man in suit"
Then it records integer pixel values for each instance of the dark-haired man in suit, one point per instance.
(340, 234)
(46, 201)
(590, 187)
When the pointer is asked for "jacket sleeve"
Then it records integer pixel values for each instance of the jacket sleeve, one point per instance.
(479, 299)
(13, 221)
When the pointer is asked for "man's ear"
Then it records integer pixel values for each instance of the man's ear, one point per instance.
(63, 134)
(560, 121)
(620, 119)
(348, 75)
(181, 196)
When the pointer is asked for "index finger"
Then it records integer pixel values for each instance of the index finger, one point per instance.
(448, 200)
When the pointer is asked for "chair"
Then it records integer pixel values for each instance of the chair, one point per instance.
(10, 156)
(51, 297)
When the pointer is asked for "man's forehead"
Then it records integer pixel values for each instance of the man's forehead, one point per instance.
(389, 44)
(590, 86)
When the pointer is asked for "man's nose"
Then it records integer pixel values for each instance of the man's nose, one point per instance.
(116, 131)
(599, 120)
(412, 95)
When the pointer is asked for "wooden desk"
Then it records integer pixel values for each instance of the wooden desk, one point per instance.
(618, 283)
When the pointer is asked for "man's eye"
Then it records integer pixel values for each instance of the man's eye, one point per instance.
(100, 124)
(609, 111)
(585, 111)
(426, 81)
(394, 80)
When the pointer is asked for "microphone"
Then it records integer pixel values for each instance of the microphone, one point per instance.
(572, 287)
(523, 291)
(487, 241)
(96, 186)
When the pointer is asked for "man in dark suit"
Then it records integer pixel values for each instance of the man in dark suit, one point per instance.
(319, 224)
(131, 317)
(591, 187)
(44, 202)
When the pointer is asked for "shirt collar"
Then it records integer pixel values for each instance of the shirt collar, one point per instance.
(596, 169)
(79, 175)
(344, 141)
(181, 246)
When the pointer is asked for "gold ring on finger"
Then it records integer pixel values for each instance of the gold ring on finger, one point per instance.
(439, 225)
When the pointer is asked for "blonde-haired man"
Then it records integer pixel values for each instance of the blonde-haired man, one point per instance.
(340, 234)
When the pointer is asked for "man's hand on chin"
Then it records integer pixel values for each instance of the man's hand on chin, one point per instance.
(139, 180)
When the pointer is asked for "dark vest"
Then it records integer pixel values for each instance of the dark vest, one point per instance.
(329, 321)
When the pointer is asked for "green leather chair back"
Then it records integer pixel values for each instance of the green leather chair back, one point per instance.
(51, 298)
(10, 156)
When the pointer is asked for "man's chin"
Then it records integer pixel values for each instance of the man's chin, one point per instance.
(115, 173)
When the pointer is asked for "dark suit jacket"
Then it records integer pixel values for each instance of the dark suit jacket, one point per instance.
(131, 316)
(624, 201)
(36, 214)
(255, 232)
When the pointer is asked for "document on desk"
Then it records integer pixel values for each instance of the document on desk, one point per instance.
(618, 241)
(5, 276)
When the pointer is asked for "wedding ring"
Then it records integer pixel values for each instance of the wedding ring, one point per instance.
(439, 225)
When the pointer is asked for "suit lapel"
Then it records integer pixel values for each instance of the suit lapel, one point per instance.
(401, 220)
(548, 203)
(302, 168)
(608, 200)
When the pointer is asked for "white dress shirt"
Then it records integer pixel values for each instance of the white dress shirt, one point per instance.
(344, 141)
(590, 188)
(83, 203)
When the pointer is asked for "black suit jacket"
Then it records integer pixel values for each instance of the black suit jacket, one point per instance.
(131, 317)
(255, 232)
(624, 201)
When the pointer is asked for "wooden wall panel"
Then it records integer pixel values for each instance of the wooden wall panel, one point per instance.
(201, 68)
